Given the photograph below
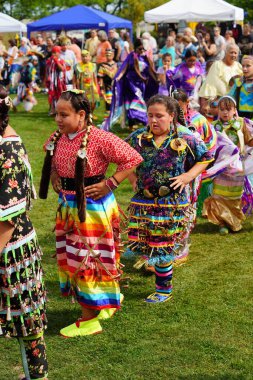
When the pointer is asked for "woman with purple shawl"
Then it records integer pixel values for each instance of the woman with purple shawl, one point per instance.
(135, 82)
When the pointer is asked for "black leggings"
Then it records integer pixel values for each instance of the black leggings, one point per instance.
(33, 353)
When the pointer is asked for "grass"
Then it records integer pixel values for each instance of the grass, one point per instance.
(204, 333)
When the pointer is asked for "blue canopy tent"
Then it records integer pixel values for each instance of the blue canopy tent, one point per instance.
(79, 17)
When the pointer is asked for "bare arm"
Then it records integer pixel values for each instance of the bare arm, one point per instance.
(133, 180)
(184, 179)
(210, 50)
(6, 231)
(99, 190)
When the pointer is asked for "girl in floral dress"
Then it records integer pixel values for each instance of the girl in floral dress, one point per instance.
(159, 211)
(22, 292)
(87, 223)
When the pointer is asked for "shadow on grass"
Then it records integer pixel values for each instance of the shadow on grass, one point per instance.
(205, 228)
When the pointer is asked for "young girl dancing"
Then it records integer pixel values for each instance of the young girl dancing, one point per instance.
(87, 224)
(224, 207)
(159, 211)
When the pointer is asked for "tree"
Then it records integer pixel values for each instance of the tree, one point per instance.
(247, 5)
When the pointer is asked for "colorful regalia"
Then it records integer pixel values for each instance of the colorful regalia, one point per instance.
(233, 161)
(107, 72)
(88, 252)
(22, 292)
(56, 80)
(198, 123)
(242, 92)
(85, 73)
(159, 215)
(185, 78)
(130, 91)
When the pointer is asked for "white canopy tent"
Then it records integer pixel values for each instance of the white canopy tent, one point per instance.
(194, 10)
(10, 24)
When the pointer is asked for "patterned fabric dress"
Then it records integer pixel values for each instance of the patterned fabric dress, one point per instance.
(88, 253)
(159, 215)
(22, 292)
(224, 207)
(85, 76)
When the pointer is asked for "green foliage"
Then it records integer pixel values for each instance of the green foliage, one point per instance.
(131, 9)
(204, 333)
(134, 9)
(246, 5)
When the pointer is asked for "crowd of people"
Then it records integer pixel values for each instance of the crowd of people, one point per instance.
(187, 101)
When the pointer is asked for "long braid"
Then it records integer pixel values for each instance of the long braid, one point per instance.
(5, 105)
(80, 167)
(80, 102)
(180, 115)
(46, 170)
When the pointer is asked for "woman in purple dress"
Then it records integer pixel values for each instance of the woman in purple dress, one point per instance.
(135, 82)
(187, 72)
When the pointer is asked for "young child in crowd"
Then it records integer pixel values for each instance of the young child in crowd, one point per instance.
(224, 207)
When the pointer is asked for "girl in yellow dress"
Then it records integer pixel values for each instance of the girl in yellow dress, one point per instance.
(85, 78)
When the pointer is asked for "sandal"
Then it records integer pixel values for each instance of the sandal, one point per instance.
(158, 298)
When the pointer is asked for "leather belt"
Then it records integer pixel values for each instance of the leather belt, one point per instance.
(69, 184)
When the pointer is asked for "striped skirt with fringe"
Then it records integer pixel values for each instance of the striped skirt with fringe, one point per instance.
(88, 253)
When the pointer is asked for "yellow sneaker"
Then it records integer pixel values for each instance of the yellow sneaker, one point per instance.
(108, 313)
(82, 328)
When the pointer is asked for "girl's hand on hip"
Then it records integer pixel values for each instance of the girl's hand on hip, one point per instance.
(97, 191)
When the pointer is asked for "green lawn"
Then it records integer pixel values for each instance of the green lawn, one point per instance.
(205, 332)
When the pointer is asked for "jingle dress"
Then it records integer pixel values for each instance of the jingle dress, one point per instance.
(224, 207)
(22, 292)
(158, 224)
(88, 252)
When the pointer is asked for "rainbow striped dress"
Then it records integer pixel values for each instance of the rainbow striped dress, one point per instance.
(88, 252)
